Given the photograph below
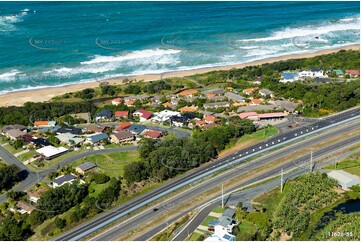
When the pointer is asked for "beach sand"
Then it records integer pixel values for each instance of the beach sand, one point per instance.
(45, 94)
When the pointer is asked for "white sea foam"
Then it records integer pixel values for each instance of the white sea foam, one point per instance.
(310, 30)
(141, 54)
(7, 21)
(9, 76)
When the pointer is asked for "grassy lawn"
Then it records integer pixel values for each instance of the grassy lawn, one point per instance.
(111, 164)
(218, 209)
(249, 139)
(27, 155)
(350, 164)
(97, 188)
(207, 220)
(246, 227)
(12, 150)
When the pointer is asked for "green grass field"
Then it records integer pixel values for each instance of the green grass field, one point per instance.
(111, 164)
(350, 164)
(12, 150)
(27, 155)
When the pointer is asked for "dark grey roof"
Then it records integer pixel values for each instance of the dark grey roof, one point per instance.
(65, 178)
(70, 129)
(124, 135)
(104, 113)
(137, 128)
(49, 129)
(314, 69)
(178, 119)
(97, 137)
(224, 221)
(87, 166)
(229, 213)
(41, 142)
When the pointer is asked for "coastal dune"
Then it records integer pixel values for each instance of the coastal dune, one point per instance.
(45, 94)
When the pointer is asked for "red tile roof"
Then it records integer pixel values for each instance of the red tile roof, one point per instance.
(144, 113)
(41, 122)
(188, 109)
(188, 92)
(124, 125)
(271, 115)
(155, 134)
(121, 114)
(353, 72)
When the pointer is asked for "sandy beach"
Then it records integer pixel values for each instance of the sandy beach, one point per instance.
(45, 94)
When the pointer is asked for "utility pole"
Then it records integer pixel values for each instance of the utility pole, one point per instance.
(311, 161)
(222, 197)
(281, 180)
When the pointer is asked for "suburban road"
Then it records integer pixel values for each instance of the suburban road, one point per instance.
(32, 177)
(176, 201)
(106, 218)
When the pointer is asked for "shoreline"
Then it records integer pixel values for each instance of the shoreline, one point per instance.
(18, 98)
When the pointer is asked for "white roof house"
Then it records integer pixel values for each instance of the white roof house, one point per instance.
(345, 179)
(165, 115)
(67, 138)
(50, 152)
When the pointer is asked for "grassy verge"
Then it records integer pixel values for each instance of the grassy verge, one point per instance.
(27, 156)
(12, 150)
(249, 139)
(350, 164)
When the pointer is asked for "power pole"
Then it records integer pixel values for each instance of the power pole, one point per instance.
(281, 180)
(311, 162)
(222, 197)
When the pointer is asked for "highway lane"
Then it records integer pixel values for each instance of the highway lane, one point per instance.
(205, 170)
(245, 196)
(176, 201)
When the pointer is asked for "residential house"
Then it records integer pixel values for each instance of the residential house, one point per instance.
(96, 138)
(289, 77)
(210, 119)
(215, 92)
(69, 139)
(138, 97)
(136, 129)
(117, 101)
(50, 152)
(42, 124)
(35, 196)
(9, 127)
(97, 128)
(260, 107)
(62, 180)
(40, 142)
(266, 92)
(286, 105)
(188, 93)
(230, 89)
(129, 103)
(71, 130)
(344, 179)
(165, 115)
(86, 166)
(216, 105)
(49, 129)
(24, 207)
(248, 115)
(234, 97)
(338, 72)
(121, 114)
(153, 134)
(191, 109)
(122, 137)
(104, 115)
(169, 105)
(178, 121)
(249, 91)
(311, 73)
(124, 125)
(257, 80)
(143, 115)
(200, 123)
(205, 113)
(271, 116)
(353, 73)
(15, 134)
(255, 102)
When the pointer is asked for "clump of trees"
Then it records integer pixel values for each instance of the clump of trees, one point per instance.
(31, 112)
(165, 159)
(9, 175)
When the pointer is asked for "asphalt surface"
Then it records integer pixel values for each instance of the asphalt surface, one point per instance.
(32, 177)
(203, 171)
(245, 196)
(301, 164)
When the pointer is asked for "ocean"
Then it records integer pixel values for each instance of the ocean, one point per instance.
(58, 43)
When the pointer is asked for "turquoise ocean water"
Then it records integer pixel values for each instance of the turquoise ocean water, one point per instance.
(58, 43)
